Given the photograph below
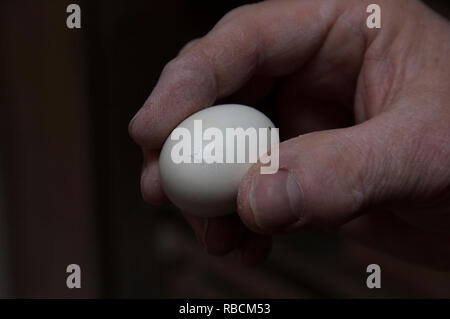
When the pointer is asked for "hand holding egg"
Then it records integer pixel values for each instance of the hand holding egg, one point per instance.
(365, 112)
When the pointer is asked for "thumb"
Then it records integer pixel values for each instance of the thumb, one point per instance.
(326, 178)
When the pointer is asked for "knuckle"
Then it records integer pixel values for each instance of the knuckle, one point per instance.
(174, 65)
(134, 129)
(235, 15)
(356, 167)
(184, 65)
(188, 46)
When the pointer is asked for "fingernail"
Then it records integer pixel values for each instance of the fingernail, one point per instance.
(275, 200)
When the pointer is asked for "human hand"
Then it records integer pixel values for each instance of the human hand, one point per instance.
(376, 166)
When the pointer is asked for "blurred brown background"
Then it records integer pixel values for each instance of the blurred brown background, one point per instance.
(69, 173)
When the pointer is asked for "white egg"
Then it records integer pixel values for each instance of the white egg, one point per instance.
(209, 189)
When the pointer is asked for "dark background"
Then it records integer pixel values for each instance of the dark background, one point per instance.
(69, 173)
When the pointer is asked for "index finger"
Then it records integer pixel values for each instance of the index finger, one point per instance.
(272, 38)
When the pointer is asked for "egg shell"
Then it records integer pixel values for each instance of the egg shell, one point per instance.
(209, 190)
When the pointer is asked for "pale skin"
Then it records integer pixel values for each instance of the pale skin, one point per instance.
(365, 113)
